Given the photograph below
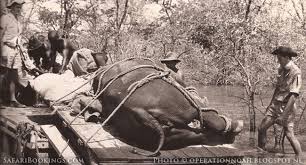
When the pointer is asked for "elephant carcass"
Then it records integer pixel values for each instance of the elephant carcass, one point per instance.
(156, 115)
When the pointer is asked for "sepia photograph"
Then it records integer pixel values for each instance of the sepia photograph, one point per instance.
(145, 82)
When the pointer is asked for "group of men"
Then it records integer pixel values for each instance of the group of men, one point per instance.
(12, 64)
(15, 63)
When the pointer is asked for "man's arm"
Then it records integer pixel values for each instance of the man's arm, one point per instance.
(293, 95)
(289, 109)
(2, 29)
(180, 78)
(64, 61)
(65, 54)
(52, 56)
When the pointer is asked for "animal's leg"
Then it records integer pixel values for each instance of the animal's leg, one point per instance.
(220, 123)
(181, 137)
(213, 121)
(148, 120)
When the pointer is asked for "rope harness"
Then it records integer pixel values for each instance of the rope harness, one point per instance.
(161, 74)
(24, 131)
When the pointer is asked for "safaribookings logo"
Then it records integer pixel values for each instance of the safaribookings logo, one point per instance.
(30, 160)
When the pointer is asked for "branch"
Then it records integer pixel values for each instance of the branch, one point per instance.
(259, 7)
(296, 11)
(124, 13)
(117, 14)
(166, 10)
(82, 14)
(244, 70)
(248, 9)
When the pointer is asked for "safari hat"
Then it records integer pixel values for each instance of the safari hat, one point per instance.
(11, 2)
(171, 57)
(284, 51)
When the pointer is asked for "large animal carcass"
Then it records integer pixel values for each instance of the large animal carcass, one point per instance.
(148, 109)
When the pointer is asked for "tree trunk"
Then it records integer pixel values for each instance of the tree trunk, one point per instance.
(252, 117)
(252, 113)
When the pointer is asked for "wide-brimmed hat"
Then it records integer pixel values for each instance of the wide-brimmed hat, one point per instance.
(11, 2)
(171, 57)
(284, 51)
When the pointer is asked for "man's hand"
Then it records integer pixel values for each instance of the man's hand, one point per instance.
(37, 72)
(50, 70)
(62, 71)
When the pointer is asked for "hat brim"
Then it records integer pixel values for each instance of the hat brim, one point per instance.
(169, 60)
(289, 54)
(11, 4)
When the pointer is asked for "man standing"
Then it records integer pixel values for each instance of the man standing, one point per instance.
(10, 59)
(282, 107)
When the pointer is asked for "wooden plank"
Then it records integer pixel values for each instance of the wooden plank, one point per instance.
(207, 152)
(59, 143)
(178, 153)
(191, 152)
(107, 148)
(166, 154)
(231, 151)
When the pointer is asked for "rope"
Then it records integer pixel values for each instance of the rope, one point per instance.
(56, 101)
(119, 62)
(139, 84)
(133, 88)
(112, 80)
(171, 81)
(66, 146)
(103, 70)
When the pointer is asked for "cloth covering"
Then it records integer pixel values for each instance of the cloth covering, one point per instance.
(53, 86)
(93, 111)
(81, 61)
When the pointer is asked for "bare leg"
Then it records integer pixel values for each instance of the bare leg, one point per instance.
(2, 72)
(13, 80)
(277, 138)
(293, 140)
(262, 131)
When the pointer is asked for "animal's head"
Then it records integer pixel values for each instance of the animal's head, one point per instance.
(100, 58)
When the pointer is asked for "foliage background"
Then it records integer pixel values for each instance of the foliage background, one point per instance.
(221, 42)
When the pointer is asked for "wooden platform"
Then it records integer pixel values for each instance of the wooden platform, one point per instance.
(107, 148)
(10, 118)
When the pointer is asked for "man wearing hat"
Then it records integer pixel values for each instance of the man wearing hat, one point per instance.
(171, 61)
(10, 59)
(39, 50)
(211, 118)
(282, 107)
